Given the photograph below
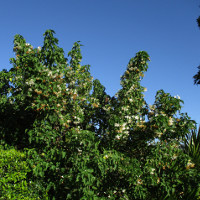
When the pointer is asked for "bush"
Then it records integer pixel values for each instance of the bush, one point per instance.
(13, 173)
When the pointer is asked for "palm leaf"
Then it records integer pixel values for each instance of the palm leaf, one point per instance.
(192, 146)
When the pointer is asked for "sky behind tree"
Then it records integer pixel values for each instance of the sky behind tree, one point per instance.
(113, 31)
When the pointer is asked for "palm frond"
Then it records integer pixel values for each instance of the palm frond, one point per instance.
(192, 146)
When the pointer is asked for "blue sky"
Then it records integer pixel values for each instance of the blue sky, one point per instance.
(113, 31)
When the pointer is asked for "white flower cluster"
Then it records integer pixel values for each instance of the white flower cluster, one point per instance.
(30, 82)
(125, 108)
(162, 113)
(10, 101)
(131, 89)
(129, 118)
(77, 120)
(106, 108)
(132, 68)
(137, 117)
(124, 127)
(18, 77)
(130, 100)
(174, 157)
(51, 73)
(117, 125)
(159, 134)
(29, 45)
(152, 172)
(177, 97)
(123, 131)
(18, 89)
(171, 121)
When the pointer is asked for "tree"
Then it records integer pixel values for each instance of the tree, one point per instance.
(197, 76)
(79, 142)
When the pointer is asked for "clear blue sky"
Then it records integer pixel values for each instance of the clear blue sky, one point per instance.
(113, 31)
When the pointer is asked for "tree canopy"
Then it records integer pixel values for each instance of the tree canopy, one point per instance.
(197, 76)
(77, 142)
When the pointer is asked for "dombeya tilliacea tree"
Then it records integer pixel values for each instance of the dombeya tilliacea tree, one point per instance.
(81, 143)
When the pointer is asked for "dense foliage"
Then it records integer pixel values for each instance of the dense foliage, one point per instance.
(197, 75)
(77, 142)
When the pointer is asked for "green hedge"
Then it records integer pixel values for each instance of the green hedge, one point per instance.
(13, 176)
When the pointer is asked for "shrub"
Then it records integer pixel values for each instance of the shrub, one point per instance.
(13, 173)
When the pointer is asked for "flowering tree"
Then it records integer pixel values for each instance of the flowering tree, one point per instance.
(82, 143)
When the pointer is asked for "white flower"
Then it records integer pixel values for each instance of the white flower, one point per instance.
(145, 89)
(159, 134)
(126, 132)
(136, 117)
(104, 108)
(124, 124)
(139, 181)
(123, 127)
(174, 157)
(124, 108)
(117, 137)
(117, 125)
(170, 122)
(127, 117)
(177, 97)
(39, 48)
(152, 171)
(50, 73)
(79, 150)
(131, 100)
(54, 76)
(18, 89)
(58, 86)
(27, 44)
(31, 82)
(18, 77)
(10, 101)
